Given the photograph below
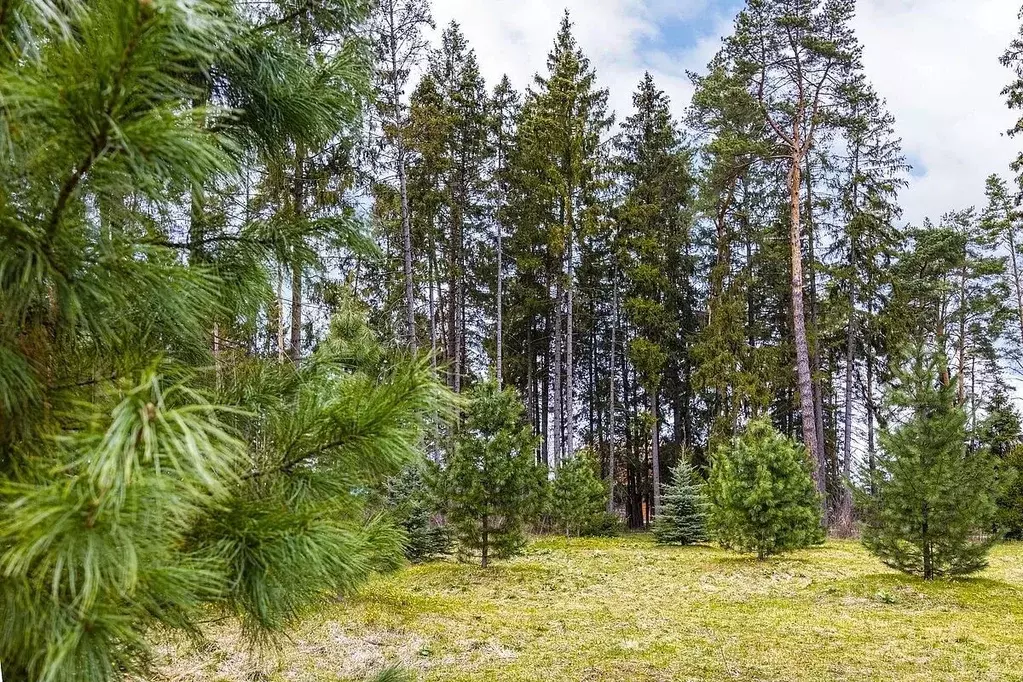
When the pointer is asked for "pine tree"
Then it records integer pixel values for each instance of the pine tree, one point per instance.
(934, 507)
(491, 483)
(397, 36)
(578, 498)
(683, 518)
(157, 463)
(761, 494)
(792, 52)
(1001, 434)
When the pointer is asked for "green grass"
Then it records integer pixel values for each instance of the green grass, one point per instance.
(626, 609)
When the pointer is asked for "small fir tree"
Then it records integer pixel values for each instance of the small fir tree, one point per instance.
(414, 508)
(683, 519)
(934, 505)
(491, 482)
(578, 498)
(762, 495)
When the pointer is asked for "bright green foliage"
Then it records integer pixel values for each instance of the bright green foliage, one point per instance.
(934, 505)
(157, 470)
(578, 498)
(683, 519)
(491, 483)
(411, 502)
(762, 497)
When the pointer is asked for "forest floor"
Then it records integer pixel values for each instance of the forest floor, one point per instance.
(624, 609)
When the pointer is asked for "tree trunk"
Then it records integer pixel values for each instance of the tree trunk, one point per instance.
(557, 432)
(569, 355)
(804, 377)
(280, 314)
(298, 206)
(655, 454)
(500, 309)
(871, 465)
(399, 162)
(485, 544)
(815, 356)
(1017, 283)
(611, 415)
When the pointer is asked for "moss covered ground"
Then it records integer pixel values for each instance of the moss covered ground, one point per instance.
(626, 609)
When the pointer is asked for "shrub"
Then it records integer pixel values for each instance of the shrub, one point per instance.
(761, 493)
(578, 499)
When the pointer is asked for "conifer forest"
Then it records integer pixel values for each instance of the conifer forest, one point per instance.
(325, 354)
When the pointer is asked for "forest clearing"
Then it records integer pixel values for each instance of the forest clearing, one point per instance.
(511, 340)
(626, 609)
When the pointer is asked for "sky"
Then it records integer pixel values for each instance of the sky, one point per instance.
(934, 61)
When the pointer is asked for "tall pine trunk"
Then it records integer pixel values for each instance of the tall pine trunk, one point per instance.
(655, 453)
(298, 204)
(611, 414)
(406, 219)
(500, 309)
(558, 398)
(569, 355)
(804, 376)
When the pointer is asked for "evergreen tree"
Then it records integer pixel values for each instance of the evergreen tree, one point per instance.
(157, 464)
(934, 507)
(397, 36)
(761, 494)
(1001, 434)
(578, 498)
(683, 518)
(411, 502)
(653, 227)
(491, 483)
(792, 51)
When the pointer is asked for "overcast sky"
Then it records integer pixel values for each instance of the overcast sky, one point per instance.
(935, 61)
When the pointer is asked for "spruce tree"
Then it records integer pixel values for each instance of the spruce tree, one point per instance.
(934, 505)
(491, 483)
(761, 494)
(578, 497)
(654, 229)
(683, 518)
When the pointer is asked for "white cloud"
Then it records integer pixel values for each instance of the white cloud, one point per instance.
(935, 61)
(515, 36)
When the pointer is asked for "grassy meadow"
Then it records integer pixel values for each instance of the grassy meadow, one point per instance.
(625, 609)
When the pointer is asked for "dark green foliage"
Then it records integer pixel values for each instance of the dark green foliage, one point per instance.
(934, 505)
(1009, 520)
(411, 503)
(491, 483)
(761, 494)
(578, 498)
(683, 519)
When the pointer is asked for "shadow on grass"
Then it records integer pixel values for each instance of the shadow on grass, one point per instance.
(958, 592)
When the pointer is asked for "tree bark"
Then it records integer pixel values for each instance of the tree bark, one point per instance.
(611, 414)
(655, 454)
(1017, 283)
(804, 377)
(298, 204)
(569, 355)
(556, 434)
(399, 162)
(500, 309)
